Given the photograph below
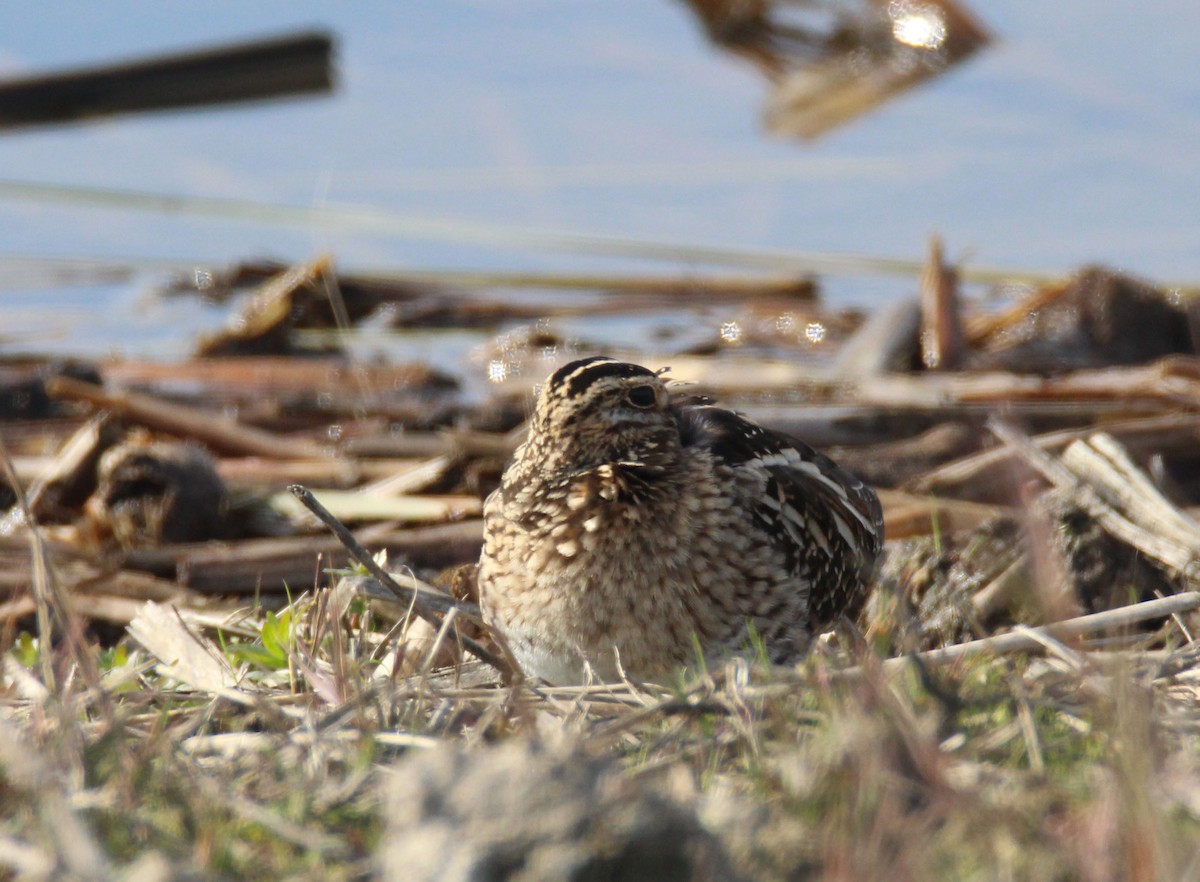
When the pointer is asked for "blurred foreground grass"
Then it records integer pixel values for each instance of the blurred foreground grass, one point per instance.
(260, 750)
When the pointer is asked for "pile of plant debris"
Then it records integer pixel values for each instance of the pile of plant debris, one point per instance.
(201, 680)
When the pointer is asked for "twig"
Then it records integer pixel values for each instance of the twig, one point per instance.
(994, 596)
(265, 565)
(218, 432)
(1158, 543)
(1103, 463)
(963, 476)
(423, 603)
(1032, 638)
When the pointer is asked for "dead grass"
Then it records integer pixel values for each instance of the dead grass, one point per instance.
(264, 761)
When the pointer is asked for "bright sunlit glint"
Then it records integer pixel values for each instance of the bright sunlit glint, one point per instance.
(497, 371)
(917, 25)
(731, 332)
(815, 332)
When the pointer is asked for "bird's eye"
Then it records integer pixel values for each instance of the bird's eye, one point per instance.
(642, 396)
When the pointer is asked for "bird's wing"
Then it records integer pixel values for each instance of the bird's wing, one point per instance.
(826, 522)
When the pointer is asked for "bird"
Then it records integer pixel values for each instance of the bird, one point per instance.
(638, 530)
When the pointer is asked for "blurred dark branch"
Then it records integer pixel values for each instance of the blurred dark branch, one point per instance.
(290, 65)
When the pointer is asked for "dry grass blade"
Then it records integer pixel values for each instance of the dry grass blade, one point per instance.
(465, 232)
(184, 655)
(77, 854)
(50, 603)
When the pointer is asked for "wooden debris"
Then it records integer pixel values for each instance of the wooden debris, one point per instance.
(410, 478)
(885, 343)
(907, 45)
(838, 61)
(269, 566)
(295, 394)
(1085, 324)
(1102, 462)
(355, 505)
(892, 463)
(265, 324)
(1146, 520)
(410, 286)
(1023, 640)
(1168, 384)
(340, 473)
(906, 515)
(942, 336)
(397, 448)
(995, 325)
(249, 377)
(23, 387)
(988, 475)
(219, 433)
(69, 478)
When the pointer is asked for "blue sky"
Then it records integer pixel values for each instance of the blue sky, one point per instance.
(1071, 140)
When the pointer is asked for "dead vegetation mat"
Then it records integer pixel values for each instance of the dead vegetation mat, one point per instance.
(201, 681)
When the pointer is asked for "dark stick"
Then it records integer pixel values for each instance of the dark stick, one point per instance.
(271, 68)
(423, 604)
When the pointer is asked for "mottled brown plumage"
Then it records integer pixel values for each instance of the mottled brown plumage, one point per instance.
(630, 525)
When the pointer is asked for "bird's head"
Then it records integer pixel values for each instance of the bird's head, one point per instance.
(599, 410)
